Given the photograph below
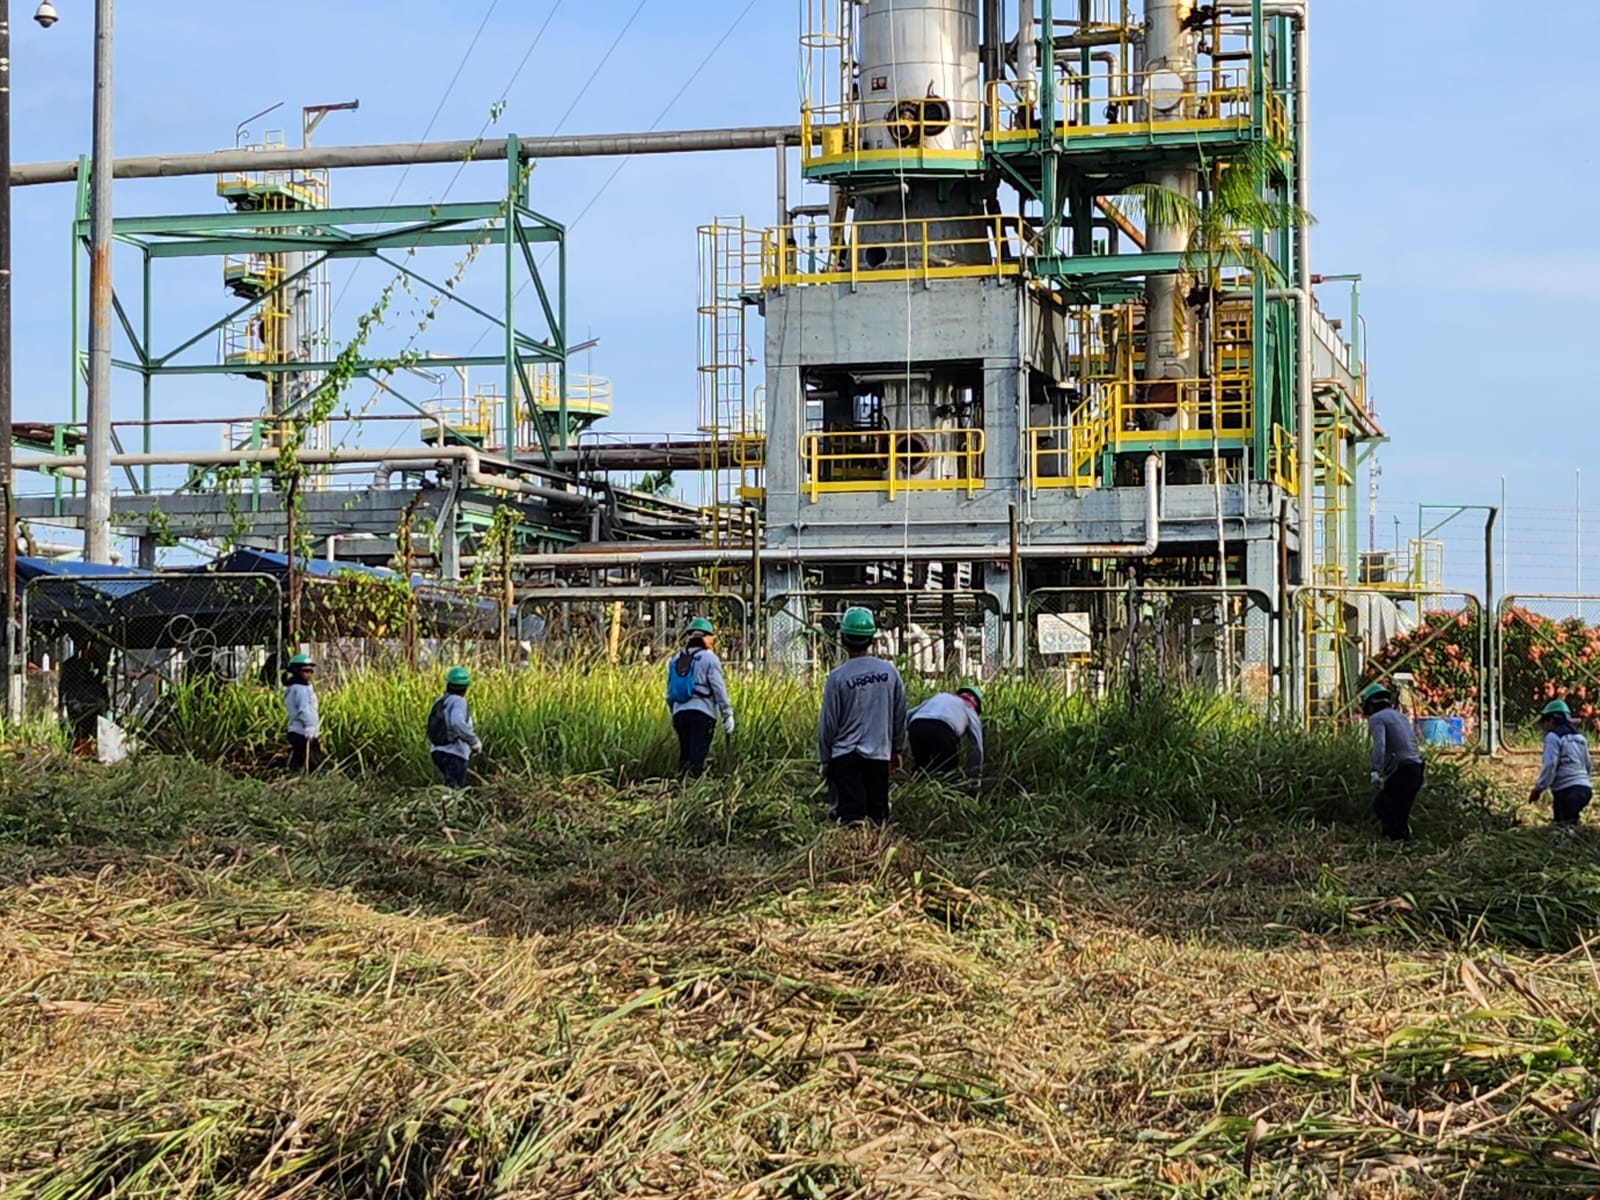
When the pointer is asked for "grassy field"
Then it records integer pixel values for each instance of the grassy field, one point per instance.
(1160, 955)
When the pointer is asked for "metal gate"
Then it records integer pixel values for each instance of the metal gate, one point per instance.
(626, 624)
(1432, 647)
(1137, 639)
(936, 634)
(113, 645)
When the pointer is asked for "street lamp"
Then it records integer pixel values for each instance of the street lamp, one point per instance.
(46, 15)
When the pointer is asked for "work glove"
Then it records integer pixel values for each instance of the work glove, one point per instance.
(477, 747)
(1377, 780)
(727, 724)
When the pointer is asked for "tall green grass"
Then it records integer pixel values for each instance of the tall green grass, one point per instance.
(1190, 760)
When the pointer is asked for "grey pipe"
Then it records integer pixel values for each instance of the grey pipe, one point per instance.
(1308, 416)
(385, 461)
(694, 556)
(97, 442)
(405, 154)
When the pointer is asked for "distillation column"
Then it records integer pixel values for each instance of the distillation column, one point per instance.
(1170, 59)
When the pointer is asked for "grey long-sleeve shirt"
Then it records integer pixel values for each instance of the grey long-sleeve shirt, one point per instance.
(300, 705)
(1394, 741)
(710, 687)
(863, 711)
(1565, 764)
(961, 717)
(463, 739)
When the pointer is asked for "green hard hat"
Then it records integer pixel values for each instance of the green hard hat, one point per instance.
(301, 660)
(458, 677)
(1556, 708)
(973, 690)
(701, 625)
(1374, 690)
(858, 623)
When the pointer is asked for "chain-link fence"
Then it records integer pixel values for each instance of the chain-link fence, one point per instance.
(1139, 639)
(114, 645)
(626, 625)
(939, 634)
(1431, 649)
(1547, 648)
(354, 622)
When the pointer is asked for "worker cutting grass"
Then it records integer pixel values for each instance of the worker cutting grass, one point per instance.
(1397, 768)
(1565, 770)
(939, 727)
(304, 716)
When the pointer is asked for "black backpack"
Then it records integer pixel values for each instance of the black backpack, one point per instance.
(438, 724)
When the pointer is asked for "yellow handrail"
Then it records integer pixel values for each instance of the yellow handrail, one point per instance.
(822, 252)
(1217, 98)
(888, 460)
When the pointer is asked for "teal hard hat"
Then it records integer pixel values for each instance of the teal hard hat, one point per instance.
(301, 660)
(701, 625)
(973, 690)
(858, 623)
(1373, 691)
(1556, 708)
(458, 677)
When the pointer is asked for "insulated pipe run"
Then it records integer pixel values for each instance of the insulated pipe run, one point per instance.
(405, 154)
(703, 555)
(387, 462)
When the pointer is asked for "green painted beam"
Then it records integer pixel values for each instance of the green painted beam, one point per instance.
(242, 243)
(543, 354)
(323, 218)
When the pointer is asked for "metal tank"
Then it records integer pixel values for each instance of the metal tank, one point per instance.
(919, 78)
(1170, 64)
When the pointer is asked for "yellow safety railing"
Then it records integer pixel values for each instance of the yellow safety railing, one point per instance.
(1186, 404)
(887, 133)
(893, 461)
(893, 251)
(1102, 106)
(481, 416)
(302, 189)
(1061, 456)
(1285, 460)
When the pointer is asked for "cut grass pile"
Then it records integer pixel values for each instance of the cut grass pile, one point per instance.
(609, 986)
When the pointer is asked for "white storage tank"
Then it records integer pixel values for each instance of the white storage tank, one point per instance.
(919, 79)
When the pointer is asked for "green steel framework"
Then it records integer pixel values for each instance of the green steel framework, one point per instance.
(332, 235)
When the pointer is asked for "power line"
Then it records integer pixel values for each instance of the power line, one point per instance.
(432, 121)
(660, 117)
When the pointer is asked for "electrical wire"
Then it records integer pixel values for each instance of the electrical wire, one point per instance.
(660, 117)
(449, 90)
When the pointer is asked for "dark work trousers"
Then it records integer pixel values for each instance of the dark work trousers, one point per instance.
(305, 754)
(858, 789)
(452, 769)
(1398, 794)
(1570, 803)
(935, 746)
(695, 731)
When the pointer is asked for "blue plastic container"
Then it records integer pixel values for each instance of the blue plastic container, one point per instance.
(1442, 731)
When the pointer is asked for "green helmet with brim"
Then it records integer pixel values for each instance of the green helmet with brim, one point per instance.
(701, 625)
(1556, 708)
(858, 623)
(973, 690)
(301, 660)
(458, 677)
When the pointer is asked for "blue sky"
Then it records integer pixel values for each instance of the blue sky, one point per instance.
(1450, 159)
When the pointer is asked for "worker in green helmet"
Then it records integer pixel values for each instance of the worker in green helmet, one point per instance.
(861, 736)
(1397, 770)
(940, 724)
(304, 716)
(1566, 771)
(697, 694)
(451, 737)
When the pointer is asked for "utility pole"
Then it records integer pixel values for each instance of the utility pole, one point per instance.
(97, 444)
(7, 524)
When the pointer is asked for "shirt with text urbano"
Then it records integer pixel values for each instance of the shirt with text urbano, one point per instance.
(863, 711)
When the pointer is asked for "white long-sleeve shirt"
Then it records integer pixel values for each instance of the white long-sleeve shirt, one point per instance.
(300, 704)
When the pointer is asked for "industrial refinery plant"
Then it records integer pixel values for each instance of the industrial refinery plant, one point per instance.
(1033, 357)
